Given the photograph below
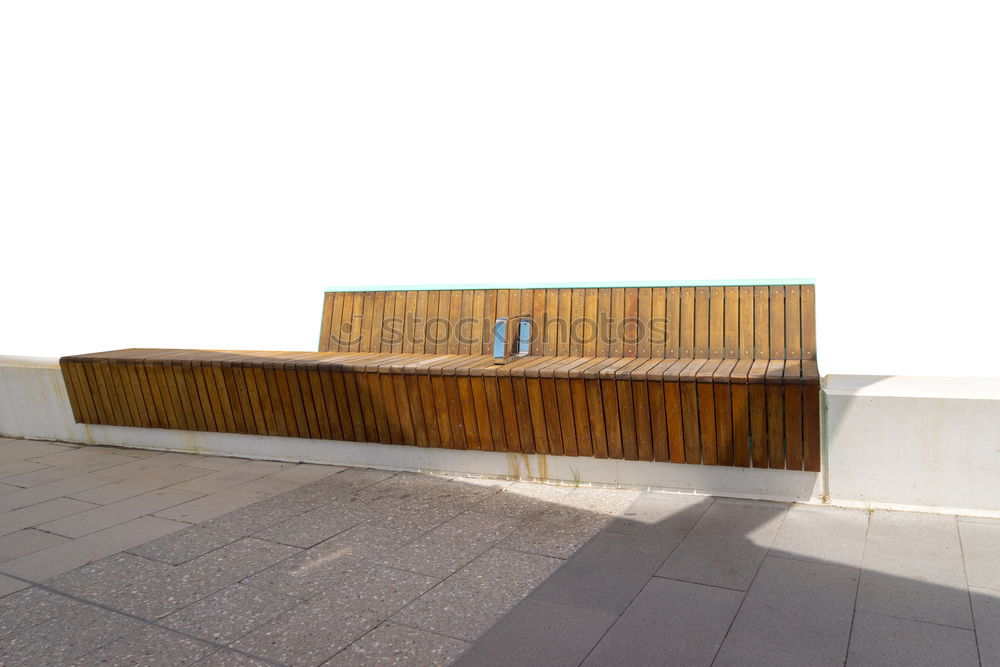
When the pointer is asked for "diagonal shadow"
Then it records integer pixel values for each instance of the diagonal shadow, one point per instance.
(671, 580)
(698, 581)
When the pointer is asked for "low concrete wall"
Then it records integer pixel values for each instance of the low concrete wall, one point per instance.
(913, 442)
(887, 446)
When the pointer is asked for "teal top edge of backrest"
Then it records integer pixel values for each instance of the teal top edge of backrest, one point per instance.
(571, 285)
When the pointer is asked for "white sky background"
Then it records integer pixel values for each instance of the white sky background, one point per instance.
(193, 174)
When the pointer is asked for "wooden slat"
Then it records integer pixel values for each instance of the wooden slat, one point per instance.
(643, 317)
(367, 319)
(465, 326)
(565, 314)
(746, 323)
(537, 321)
(489, 316)
(716, 323)
(603, 324)
(758, 425)
(438, 330)
(550, 326)
(629, 328)
(687, 323)
(578, 326)
(739, 396)
(478, 328)
(591, 333)
(617, 322)
(808, 318)
(702, 322)
(657, 327)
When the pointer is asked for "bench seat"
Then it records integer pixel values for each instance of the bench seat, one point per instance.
(721, 375)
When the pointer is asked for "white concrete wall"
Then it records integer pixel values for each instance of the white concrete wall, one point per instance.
(916, 443)
(912, 441)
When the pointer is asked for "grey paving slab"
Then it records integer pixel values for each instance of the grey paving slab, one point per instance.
(235, 562)
(825, 534)
(306, 473)
(7, 488)
(594, 500)
(339, 487)
(410, 520)
(151, 589)
(605, 575)
(56, 560)
(913, 569)
(32, 607)
(27, 541)
(43, 492)
(113, 514)
(727, 544)
(20, 450)
(799, 607)
(463, 492)
(750, 653)
(660, 516)
(307, 574)
(352, 479)
(315, 631)
(229, 658)
(394, 644)
(229, 614)
(149, 647)
(989, 521)
(536, 632)
(232, 476)
(42, 512)
(130, 584)
(189, 543)
(162, 461)
(406, 486)
(20, 467)
(139, 484)
(670, 622)
(450, 546)
(222, 530)
(473, 598)
(52, 630)
(509, 503)
(217, 504)
(981, 550)
(10, 585)
(314, 526)
(557, 532)
(879, 640)
(986, 611)
(216, 462)
(75, 455)
(135, 452)
(57, 472)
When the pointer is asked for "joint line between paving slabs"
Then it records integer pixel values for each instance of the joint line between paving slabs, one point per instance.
(747, 591)
(965, 572)
(665, 557)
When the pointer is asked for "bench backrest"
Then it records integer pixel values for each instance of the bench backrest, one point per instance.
(699, 321)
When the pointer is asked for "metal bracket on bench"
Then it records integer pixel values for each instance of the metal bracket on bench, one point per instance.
(511, 338)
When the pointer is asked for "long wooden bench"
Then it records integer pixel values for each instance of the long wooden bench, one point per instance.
(715, 375)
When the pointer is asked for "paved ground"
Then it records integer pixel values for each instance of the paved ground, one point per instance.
(689, 581)
(111, 556)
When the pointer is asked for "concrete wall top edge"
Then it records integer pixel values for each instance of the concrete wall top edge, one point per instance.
(901, 386)
(11, 361)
